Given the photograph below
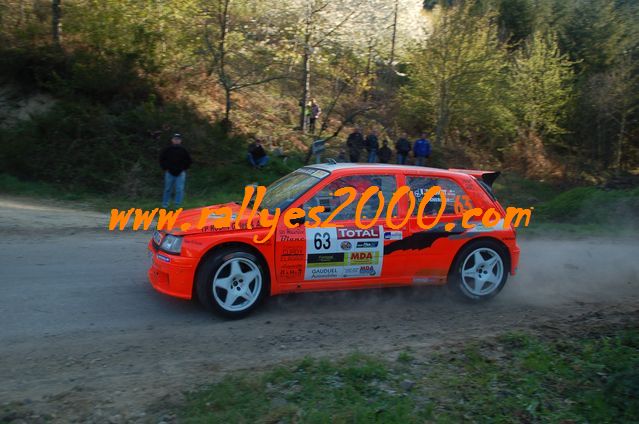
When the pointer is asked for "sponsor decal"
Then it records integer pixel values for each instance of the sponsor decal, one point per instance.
(363, 258)
(291, 272)
(292, 251)
(351, 270)
(367, 244)
(357, 233)
(324, 259)
(163, 258)
(393, 235)
(285, 237)
(346, 250)
(320, 273)
(367, 270)
(292, 258)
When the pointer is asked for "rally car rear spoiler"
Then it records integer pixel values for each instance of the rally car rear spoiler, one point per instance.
(487, 177)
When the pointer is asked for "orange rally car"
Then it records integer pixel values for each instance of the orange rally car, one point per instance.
(231, 274)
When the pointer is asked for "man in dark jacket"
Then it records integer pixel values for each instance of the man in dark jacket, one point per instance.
(257, 155)
(174, 160)
(421, 150)
(372, 146)
(316, 111)
(402, 147)
(354, 143)
(385, 153)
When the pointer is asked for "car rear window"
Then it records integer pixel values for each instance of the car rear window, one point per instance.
(488, 189)
(456, 198)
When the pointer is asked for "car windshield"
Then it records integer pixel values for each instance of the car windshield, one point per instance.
(284, 191)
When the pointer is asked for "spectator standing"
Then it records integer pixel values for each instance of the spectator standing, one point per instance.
(372, 146)
(174, 160)
(315, 113)
(354, 144)
(257, 156)
(421, 150)
(402, 147)
(385, 152)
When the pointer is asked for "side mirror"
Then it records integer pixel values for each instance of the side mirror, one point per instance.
(299, 220)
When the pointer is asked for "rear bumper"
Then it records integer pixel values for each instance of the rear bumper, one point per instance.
(514, 259)
(172, 275)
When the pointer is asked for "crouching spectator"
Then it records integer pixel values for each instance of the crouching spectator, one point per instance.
(257, 156)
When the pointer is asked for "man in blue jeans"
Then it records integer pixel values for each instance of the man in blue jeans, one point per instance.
(371, 144)
(174, 160)
(421, 150)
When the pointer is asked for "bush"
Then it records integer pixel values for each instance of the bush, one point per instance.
(107, 127)
(591, 204)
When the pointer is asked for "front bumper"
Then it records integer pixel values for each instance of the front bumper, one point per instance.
(171, 274)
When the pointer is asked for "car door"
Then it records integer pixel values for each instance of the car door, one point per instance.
(346, 256)
(434, 249)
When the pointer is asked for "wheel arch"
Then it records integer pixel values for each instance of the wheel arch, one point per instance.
(477, 240)
(226, 245)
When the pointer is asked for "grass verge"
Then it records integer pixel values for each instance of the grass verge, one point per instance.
(517, 378)
(203, 187)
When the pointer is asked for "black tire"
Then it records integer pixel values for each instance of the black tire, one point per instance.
(461, 288)
(205, 277)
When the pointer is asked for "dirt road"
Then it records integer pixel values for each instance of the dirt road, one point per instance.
(84, 337)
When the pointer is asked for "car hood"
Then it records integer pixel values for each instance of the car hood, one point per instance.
(189, 219)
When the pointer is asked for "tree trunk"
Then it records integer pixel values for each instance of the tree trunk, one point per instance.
(227, 105)
(391, 59)
(442, 119)
(622, 131)
(222, 76)
(306, 87)
(306, 67)
(369, 70)
(56, 21)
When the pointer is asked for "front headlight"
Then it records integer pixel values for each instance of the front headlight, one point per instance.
(157, 237)
(172, 244)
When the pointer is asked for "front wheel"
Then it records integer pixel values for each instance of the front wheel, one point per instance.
(232, 282)
(480, 270)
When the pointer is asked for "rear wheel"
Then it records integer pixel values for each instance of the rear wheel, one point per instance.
(480, 270)
(232, 282)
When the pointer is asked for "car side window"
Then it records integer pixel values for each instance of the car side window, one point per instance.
(456, 198)
(325, 197)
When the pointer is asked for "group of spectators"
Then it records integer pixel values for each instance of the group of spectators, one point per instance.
(356, 143)
(175, 159)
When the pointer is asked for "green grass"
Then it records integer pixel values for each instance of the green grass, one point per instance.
(516, 191)
(591, 204)
(204, 186)
(578, 211)
(516, 378)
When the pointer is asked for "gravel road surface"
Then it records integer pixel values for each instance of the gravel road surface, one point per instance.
(84, 337)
